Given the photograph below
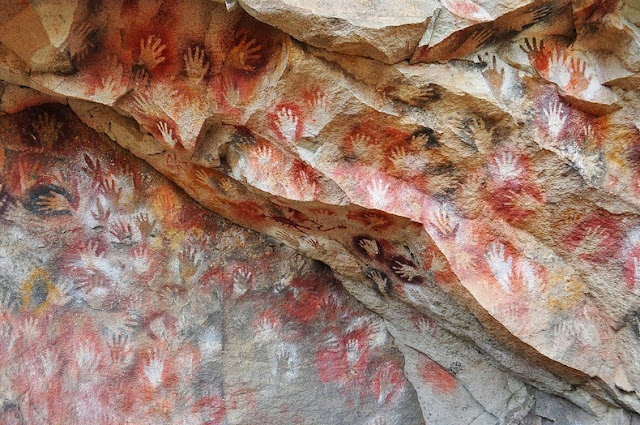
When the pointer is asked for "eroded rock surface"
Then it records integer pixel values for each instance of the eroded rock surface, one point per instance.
(468, 170)
(124, 301)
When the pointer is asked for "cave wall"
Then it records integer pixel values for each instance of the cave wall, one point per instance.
(468, 171)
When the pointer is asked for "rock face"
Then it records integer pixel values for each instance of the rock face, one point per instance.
(467, 170)
(388, 31)
(126, 302)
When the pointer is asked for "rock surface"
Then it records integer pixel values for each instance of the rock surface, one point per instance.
(468, 170)
(124, 301)
(386, 30)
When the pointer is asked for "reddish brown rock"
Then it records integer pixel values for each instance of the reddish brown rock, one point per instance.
(484, 204)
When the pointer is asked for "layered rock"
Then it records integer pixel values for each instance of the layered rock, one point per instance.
(468, 170)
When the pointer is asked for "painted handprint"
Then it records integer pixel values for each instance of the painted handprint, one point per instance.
(189, 261)
(556, 117)
(54, 203)
(493, 73)
(245, 54)
(241, 281)
(380, 280)
(48, 130)
(443, 223)
(537, 54)
(406, 271)
(122, 232)
(153, 367)
(370, 246)
(592, 240)
(378, 190)
(472, 43)
(287, 124)
(318, 104)
(167, 134)
(195, 64)
(556, 68)
(87, 359)
(230, 91)
(578, 80)
(359, 143)
(529, 17)
(263, 154)
(151, 52)
(112, 83)
(507, 167)
(409, 163)
(77, 43)
(500, 265)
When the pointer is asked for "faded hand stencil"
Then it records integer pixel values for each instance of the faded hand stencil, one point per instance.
(477, 186)
(123, 301)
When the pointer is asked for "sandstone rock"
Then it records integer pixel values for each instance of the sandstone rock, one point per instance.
(460, 28)
(384, 30)
(484, 205)
(38, 32)
(134, 312)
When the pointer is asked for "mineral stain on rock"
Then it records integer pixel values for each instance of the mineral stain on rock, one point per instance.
(442, 197)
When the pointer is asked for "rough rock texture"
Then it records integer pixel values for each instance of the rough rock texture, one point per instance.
(388, 31)
(124, 301)
(468, 170)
